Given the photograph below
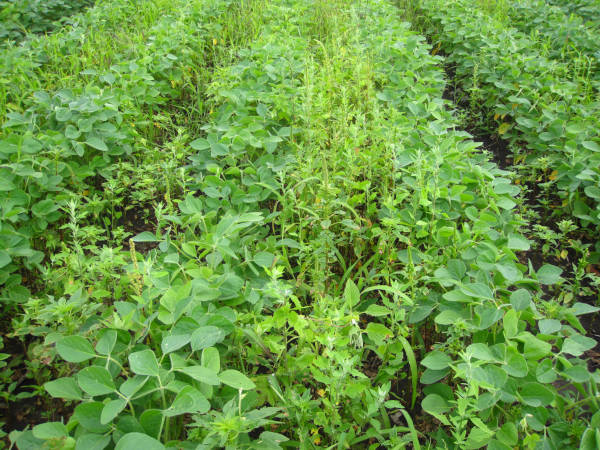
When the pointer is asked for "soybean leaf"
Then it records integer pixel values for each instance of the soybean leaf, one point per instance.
(206, 336)
(107, 341)
(50, 430)
(203, 374)
(136, 440)
(92, 442)
(95, 380)
(189, 400)
(144, 363)
(65, 388)
(97, 143)
(436, 360)
(75, 349)
(549, 274)
(520, 299)
(112, 410)
(236, 380)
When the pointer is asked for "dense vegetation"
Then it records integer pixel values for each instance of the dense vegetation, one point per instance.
(266, 224)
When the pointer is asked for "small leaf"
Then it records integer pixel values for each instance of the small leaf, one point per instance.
(236, 380)
(144, 363)
(75, 349)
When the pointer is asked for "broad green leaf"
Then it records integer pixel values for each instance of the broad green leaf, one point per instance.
(5, 258)
(150, 421)
(107, 341)
(206, 336)
(95, 380)
(92, 442)
(535, 348)
(549, 326)
(511, 323)
(132, 385)
(203, 374)
(589, 439)
(481, 351)
(236, 380)
(144, 363)
(351, 293)
(174, 343)
(516, 242)
(549, 274)
(136, 441)
(436, 406)
(112, 410)
(378, 332)
(264, 259)
(436, 360)
(211, 359)
(88, 415)
(377, 311)
(145, 236)
(75, 349)
(545, 372)
(50, 430)
(578, 374)
(477, 290)
(536, 394)
(97, 143)
(515, 363)
(508, 434)
(520, 299)
(577, 345)
(66, 388)
(188, 401)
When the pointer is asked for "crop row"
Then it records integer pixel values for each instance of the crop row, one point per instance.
(330, 249)
(586, 9)
(21, 18)
(536, 101)
(568, 37)
(54, 143)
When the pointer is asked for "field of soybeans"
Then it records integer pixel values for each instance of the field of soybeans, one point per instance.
(299, 224)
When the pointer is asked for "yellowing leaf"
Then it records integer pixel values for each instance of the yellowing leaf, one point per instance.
(564, 254)
(503, 128)
(321, 392)
(496, 116)
(214, 42)
(553, 175)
